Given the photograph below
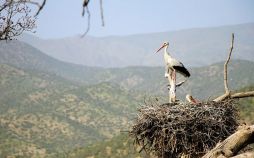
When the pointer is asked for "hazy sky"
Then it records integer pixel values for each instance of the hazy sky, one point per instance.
(61, 18)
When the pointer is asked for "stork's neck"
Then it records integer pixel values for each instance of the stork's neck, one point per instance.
(166, 54)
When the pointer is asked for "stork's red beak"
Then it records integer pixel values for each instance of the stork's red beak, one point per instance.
(160, 48)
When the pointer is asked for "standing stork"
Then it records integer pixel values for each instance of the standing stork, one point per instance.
(171, 63)
(171, 67)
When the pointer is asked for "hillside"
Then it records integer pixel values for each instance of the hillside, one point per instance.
(24, 56)
(51, 115)
(120, 146)
(204, 82)
(194, 47)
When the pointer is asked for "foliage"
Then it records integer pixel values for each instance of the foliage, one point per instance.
(120, 146)
(247, 107)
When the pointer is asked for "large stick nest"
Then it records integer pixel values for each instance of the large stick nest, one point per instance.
(173, 130)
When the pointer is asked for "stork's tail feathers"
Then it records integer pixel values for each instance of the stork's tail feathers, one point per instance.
(182, 70)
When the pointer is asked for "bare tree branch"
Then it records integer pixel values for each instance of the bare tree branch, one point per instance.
(41, 7)
(222, 97)
(86, 10)
(85, 4)
(242, 94)
(226, 65)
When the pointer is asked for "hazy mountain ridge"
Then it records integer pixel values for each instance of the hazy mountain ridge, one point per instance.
(148, 79)
(24, 56)
(194, 47)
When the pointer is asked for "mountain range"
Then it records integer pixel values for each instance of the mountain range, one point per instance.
(148, 79)
(194, 47)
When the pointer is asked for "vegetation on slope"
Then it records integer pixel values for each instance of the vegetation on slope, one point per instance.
(55, 116)
(247, 107)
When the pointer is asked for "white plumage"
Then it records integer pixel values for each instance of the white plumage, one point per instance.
(171, 63)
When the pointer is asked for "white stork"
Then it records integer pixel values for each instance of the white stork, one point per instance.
(171, 63)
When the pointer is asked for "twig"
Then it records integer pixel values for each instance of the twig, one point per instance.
(86, 10)
(85, 4)
(178, 84)
(41, 7)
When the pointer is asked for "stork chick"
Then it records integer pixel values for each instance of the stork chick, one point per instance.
(191, 100)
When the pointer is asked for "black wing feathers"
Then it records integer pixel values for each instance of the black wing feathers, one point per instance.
(182, 70)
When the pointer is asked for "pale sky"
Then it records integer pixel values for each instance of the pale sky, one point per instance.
(62, 18)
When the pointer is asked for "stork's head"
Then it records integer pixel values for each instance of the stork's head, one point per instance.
(163, 45)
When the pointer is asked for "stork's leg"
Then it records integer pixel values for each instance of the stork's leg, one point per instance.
(166, 71)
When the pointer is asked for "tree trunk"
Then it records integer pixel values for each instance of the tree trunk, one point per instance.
(172, 83)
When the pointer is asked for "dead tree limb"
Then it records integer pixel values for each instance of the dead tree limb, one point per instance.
(227, 93)
(233, 144)
(243, 94)
(226, 65)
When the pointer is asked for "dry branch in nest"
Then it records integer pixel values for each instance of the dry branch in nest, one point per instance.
(174, 130)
